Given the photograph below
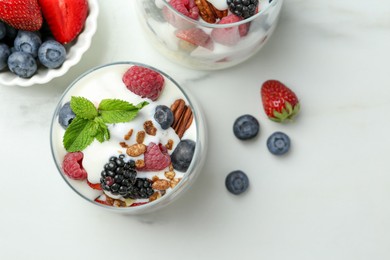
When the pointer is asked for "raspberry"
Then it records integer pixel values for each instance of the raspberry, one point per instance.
(156, 158)
(196, 36)
(73, 167)
(144, 82)
(186, 7)
(231, 35)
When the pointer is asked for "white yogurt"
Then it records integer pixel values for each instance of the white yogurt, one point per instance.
(105, 83)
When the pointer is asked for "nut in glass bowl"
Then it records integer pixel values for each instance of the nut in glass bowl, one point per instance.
(208, 34)
(148, 138)
(74, 52)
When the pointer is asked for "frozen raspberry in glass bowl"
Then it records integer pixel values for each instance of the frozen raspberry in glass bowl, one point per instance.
(208, 34)
(127, 137)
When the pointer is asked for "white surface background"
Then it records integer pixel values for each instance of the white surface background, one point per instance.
(328, 199)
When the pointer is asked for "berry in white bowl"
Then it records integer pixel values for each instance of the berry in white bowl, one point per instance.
(41, 18)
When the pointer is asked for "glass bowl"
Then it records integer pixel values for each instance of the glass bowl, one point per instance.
(169, 182)
(200, 45)
(74, 52)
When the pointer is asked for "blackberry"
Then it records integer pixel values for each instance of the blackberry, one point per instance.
(118, 175)
(120, 178)
(243, 8)
(142, 189)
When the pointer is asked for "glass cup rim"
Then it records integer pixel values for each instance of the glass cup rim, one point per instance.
(211, 25)
(149, 205)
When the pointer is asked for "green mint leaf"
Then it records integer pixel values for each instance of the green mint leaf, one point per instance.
(118, 111)
(79, 134)
(102, 132)
(83, 108)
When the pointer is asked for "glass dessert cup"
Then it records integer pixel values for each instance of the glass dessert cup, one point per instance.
(200, 45)
(105, 82)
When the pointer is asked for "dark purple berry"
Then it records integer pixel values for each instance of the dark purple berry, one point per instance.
(246, 127)
(278, 143)
(237, 182)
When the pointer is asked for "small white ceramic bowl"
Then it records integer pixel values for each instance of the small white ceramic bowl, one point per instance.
(75, 51)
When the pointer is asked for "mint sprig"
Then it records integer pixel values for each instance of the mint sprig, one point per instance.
(90, 122)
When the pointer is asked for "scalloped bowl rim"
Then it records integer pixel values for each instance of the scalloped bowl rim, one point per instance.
(75, 52)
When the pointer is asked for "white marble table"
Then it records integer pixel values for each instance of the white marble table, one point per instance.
(328, 199)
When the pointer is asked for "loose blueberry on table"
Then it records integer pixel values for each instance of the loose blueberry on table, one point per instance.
(278, 143)
(237, 182)
(246, 127)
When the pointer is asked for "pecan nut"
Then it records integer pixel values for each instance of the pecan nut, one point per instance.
(208, 12)
(136, 150)
(149, 128)
(183, 117)
(161, 184)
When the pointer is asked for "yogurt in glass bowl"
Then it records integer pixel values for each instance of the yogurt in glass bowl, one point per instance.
(127, 137)
(205, 34)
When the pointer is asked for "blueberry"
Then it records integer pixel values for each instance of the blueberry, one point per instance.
(11, 32)
(22, 64)
(163, 116)
(3, 30)
(28, 42)
(4, 54)
(237, 182)
(278, 143)
(65, 115)
(246, 127)
(182, 155)
(51, 54)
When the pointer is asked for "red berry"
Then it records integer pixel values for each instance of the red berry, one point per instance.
(73, 167)
(156, 158)
(186, 7)
(22, 15)
(65, 18)
(101, 201)
(137, 204)
(196, 36)
(144, 82)
(230, 36)
(95, 186)
(279, 102)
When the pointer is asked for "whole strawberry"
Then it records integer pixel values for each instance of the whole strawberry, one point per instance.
(21, 14)
(280, 103)
(144, 82)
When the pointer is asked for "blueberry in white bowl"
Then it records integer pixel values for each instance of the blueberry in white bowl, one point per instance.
(28, 42)
(22, 64)
(52, 54)
(4, 54)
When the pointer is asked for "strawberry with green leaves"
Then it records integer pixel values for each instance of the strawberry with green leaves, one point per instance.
(21, 14)
(280, 103)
